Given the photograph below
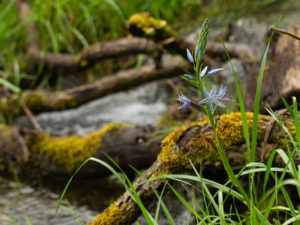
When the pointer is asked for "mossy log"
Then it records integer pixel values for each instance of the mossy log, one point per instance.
(43, 101)
(195, 144)
(60, 156)
(281, 75)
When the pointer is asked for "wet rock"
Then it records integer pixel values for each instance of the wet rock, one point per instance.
(141, 106)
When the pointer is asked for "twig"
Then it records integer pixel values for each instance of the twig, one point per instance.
(20, 139)
(273, 28)
(30, 116)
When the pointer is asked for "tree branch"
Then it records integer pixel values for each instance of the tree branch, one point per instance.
(43, 101)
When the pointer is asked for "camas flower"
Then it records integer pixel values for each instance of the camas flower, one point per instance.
(185, 100)
(212, 98)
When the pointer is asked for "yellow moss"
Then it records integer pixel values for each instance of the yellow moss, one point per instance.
(83, 63)
(203, 144)
(169, 154)
(150, 26)
(33, 99)
(10, 106)
(113, 215)
(78, 58)
(70, 151)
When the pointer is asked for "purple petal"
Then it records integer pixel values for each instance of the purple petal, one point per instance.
(220, 104)
(222, 92)
(205, 92)
(189, 56)
(212, 72)
(203, 72)
(203, 101)
(186, 104)
(227, 100)
(215, 101)
(213, 91)
(185, 99)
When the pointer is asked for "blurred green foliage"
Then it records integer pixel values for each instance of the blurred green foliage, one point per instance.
(68, 26)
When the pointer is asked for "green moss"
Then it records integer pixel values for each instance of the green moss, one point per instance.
(143, 24)
(71, 151)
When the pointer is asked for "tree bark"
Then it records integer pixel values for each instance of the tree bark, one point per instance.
(195, 144)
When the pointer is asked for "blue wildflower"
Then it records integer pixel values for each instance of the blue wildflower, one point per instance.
(213, 98)
(221, 94)
(210, 98)
(185, 100)
(214, 71)
(189, 56)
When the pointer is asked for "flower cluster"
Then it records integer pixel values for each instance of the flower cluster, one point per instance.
(212, 98)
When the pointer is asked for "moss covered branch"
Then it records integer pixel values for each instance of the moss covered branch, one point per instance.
(126, 144)
(194, 143)
(43, 101)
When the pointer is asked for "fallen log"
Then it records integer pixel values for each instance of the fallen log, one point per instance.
(195, 144)
(42, 101)
(60, 156)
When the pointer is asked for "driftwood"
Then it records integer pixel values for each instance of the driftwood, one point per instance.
(281, 75)
(60, 156)
(42, 101)
(195, 143)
